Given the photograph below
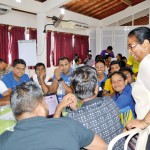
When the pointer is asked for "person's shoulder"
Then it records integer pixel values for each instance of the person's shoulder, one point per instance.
(4, 137)
(68, 122)
(7, 76)
(25, 76)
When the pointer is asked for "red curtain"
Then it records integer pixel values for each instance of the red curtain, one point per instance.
(81, 45)
(32, 34)
(48, 52)
(62, 46)
(4, 43)
(16, 33)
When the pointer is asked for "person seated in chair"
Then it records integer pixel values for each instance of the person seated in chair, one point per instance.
(122, 96)
(34, 131)
(61, 74)
(17, 75)
(40, 72)
(101, 115)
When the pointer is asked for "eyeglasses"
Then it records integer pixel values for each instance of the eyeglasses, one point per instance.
(132, 46)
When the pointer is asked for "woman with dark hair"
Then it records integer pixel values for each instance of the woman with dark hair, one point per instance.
(122, 96)
(139, 47)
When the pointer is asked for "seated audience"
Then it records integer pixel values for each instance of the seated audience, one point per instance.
(122, 96)
(61, 74)
(34, 131)
(98, 114)
(40, 72)
(17, 75)
(4, 68)
(108, 51)
(100, 69)
(108, 90)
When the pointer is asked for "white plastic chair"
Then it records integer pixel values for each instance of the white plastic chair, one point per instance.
(130, 134)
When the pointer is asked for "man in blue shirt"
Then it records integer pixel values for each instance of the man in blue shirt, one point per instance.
(17, 75)
(61, 74)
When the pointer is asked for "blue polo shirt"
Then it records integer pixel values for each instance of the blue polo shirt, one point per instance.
(66, 78)
(10, 81)
(125, 99)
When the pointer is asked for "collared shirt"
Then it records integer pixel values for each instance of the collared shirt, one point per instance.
(125, 99)
(66, 78)
(101, 115)
(10, 81)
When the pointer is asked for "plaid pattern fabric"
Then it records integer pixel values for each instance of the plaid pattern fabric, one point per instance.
(102, 116)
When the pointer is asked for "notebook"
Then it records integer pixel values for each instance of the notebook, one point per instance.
(52, 102)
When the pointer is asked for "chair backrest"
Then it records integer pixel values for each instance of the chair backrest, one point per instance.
(140, 143)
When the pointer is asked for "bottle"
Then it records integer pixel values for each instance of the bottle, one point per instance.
(60, 92)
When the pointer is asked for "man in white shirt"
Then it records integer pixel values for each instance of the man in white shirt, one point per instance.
(40, 71)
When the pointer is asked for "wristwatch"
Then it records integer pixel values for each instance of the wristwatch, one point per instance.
(60, 80)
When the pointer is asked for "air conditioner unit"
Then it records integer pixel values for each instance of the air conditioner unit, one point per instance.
(74, 25)
(4, 9)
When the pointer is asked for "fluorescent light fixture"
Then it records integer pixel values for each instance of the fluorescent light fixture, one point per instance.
(62, 11)
(18, 1)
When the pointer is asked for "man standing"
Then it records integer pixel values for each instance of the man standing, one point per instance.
(17, 75)
(35, 131)
(108, 51)
(4, 68)
(61, 74)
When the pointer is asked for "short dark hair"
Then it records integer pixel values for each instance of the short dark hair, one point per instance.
(118, 73)
(110, 48)
(63, 58)
(122, 64)
(98, 57)
(1, 60)
(102, 61)
(84, 81)
(77, 59)
(107, 56)
(19, 61)
(114, 62)
(123, 57)
(26, 97)
(120, 55)
(141, 34)
(127, 69)
(38, 65)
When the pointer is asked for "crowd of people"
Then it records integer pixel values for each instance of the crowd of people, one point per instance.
(95, 92)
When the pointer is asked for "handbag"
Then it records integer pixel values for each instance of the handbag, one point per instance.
(141, 139)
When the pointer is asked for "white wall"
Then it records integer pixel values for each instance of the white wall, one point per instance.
(19, 19)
